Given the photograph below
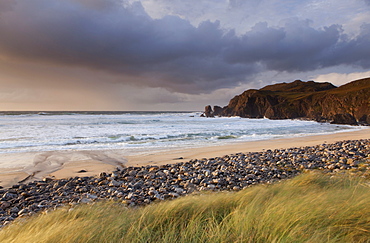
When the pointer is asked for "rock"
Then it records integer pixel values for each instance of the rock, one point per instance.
(114, 183)
(8, 196)
(156, 168)
(211, 187)
(173, 194)
(25, 194)
(137, 185)
(162, 190)
(23, 211)
(152, 192)
(47, 179)
(81, 171)
(4, 205)
(364, 120)
(208, 112)
(14, 210)
(119, 194)
(115, 174)
(142, 173)
(344, 119)
(179, 190)
(85, 200)
(130, 196)
(236, 188)
(91, 196)
(132, 173)
(161, 174)
(217, 110)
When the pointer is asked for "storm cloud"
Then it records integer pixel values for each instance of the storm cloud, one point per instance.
(169, 52)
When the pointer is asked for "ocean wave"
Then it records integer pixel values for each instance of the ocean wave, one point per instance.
(66, 130)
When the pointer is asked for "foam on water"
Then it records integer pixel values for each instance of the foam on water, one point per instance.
(137, 131)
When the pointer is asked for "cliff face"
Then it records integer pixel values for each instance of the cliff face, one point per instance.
(347, 104)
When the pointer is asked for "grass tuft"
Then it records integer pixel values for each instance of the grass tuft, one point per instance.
(309, 208)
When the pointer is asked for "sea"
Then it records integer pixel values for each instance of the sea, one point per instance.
(138, 132)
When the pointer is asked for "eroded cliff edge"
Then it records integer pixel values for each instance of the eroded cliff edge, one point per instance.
(323, 102)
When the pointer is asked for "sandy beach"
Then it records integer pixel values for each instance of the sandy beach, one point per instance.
(101, 163)
(253, 146)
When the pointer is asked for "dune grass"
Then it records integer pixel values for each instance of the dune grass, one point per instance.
(309, 208)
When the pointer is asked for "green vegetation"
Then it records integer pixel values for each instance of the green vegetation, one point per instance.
(309, 208)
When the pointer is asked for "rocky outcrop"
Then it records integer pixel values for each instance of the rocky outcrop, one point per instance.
(324, 102)
(208, 112)
(217, 110)
(365, 119)
(344, 119)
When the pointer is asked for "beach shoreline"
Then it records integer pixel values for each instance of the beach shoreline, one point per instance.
(108, 161)
(158, 181)
(172, 156)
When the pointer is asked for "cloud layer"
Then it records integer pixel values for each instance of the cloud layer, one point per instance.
(122, 39)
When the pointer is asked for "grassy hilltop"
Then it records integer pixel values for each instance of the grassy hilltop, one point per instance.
(309, 208)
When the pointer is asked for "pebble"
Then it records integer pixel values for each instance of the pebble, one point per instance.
(135, 186)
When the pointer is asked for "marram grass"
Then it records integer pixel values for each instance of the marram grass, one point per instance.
(309, 208)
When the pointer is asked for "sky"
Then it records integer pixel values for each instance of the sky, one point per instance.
(172, 54)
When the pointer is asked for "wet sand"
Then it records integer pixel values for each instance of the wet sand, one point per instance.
(254, 146)
(9, 177)
(59, 164)
(65, 164)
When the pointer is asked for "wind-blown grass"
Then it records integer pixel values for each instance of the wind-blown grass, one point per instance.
(309, 208)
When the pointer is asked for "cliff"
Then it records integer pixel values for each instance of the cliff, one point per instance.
(347, 104)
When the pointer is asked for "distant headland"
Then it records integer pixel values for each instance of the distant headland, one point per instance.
(322, 102)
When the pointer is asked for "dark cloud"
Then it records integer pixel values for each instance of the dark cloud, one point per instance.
(354, 51)
(169, 52)
(294, 47)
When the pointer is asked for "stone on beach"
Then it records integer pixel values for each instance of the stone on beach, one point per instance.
(135, 186)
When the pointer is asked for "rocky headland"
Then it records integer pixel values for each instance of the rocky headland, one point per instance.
(135, 186)
(323, 102)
